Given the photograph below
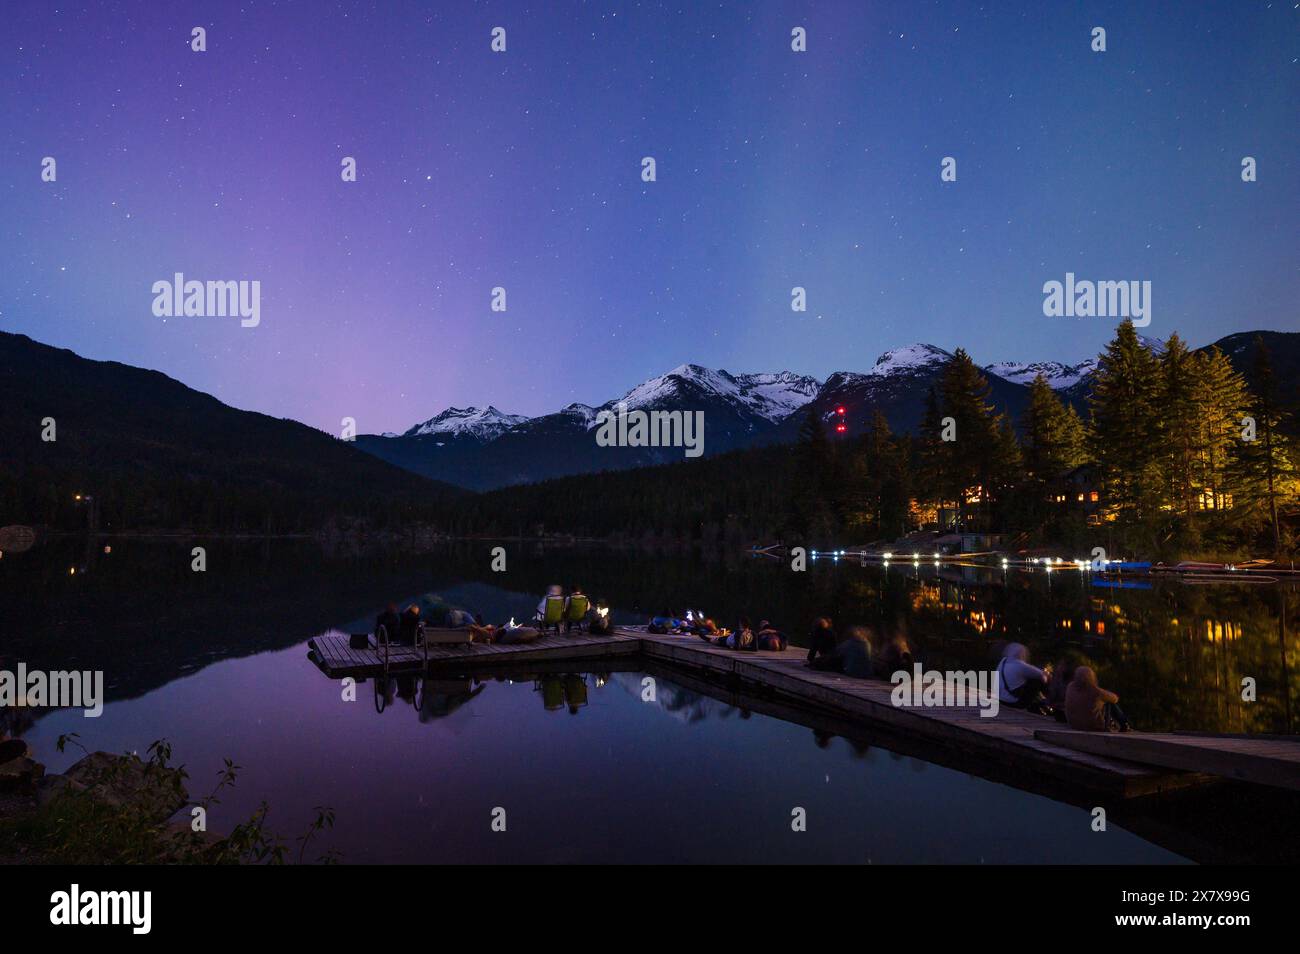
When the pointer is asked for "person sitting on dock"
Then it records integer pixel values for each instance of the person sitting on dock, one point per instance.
(409, 624)
(894, 654)
(821, 641)
(1062, 675)
(461, 619)
(552, 592)
(1021, 685)
(386, 624)
(598, 619)
(770, 638)
(1090, 708)
(851, 655)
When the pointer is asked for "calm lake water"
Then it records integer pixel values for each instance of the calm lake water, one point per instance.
(585, 770)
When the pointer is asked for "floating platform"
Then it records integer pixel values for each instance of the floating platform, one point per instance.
(1002, 747)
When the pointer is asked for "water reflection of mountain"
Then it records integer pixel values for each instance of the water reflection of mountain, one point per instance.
(682, 704)
(144, 617)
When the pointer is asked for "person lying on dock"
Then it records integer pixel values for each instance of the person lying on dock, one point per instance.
(668, 622)
(478, 633)
(1021, 685)
(742, 638)
(851, 655)
(821, 641)
(1090, 708)
(770, 638)
(704, 626)
(509, 635)
(387, 624)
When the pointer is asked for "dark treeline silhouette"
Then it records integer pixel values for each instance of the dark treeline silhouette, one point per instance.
(151, 453)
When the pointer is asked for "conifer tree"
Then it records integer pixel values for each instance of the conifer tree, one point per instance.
(984, 455)
(1179, 422)
(1224, 400)
(1053, 434)
(813, 478)
(1264, 470)
(1124, 433)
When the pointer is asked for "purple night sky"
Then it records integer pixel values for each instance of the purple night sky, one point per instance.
(522, 169)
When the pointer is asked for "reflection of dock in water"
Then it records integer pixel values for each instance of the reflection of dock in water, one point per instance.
(1013, 747)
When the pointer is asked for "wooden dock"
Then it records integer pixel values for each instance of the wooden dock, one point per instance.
(1001, 747)
(1264, 761)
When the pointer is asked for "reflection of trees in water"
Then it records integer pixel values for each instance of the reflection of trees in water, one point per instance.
(1175, 653)
(682, 704)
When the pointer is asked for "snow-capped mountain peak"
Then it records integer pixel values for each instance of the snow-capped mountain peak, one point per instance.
(1058, 375)
(482, 423)
(914, 357)
(770, 395)
(777, 395)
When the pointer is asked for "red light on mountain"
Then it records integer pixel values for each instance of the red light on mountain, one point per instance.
(840, 428)
(840, 410)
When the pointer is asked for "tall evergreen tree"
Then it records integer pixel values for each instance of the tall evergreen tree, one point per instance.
(813, 479)
(1224, 400)
(1264, 470)
(1124, 430)
(1178, 420)
(981, 459)
(887, 480)
(929, 451)
(1053, 434)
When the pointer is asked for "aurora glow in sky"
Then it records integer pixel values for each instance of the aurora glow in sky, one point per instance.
(522, 169)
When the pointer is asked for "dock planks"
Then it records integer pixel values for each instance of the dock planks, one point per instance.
(1264, 761)
(1009, 742)
(337, 659)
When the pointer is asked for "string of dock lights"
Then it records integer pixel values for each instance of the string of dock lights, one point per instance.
(1046, 563)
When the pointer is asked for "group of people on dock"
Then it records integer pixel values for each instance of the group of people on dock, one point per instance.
(745, 636)
(433, 611)
(1068, 692)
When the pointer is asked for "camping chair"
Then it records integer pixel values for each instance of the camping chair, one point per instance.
(553, 614)
(575, 612)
